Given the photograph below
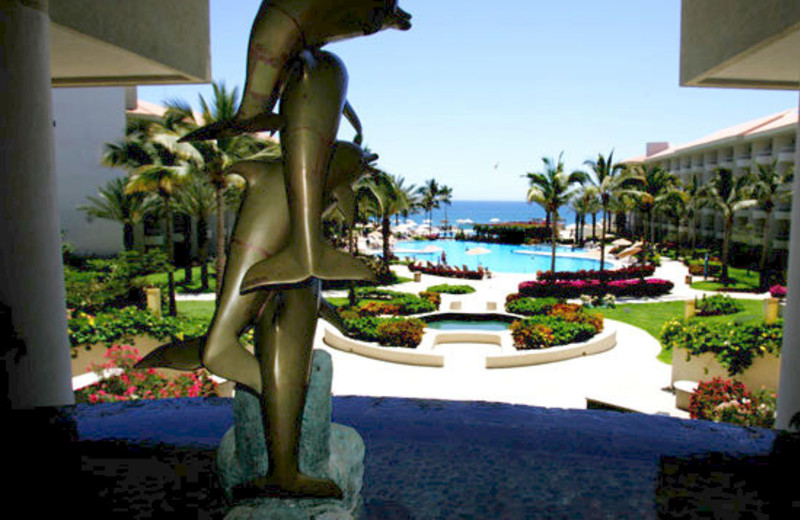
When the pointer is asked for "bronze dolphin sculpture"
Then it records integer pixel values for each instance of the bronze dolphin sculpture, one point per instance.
(281, 31)
(310, 106)
(261, 228)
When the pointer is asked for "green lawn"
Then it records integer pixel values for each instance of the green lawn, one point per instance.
(180, 280)
(648, 316)
(743, 280)
(652, 316)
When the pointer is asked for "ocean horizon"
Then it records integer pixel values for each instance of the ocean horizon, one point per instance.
(484, 211)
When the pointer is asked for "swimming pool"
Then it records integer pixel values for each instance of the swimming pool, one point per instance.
(503, 258)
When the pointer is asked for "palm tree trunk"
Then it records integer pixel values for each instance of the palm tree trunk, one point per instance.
(385, 234)
(726, 244)
(594, 226)
(762, 262)
(553, 235)
(128, 236)
(202, 245)
(603, 246)
(173, 308)
(220, 234)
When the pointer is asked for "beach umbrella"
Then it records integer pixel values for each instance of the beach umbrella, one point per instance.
(621, 242)
(628, 252)
(478, 251)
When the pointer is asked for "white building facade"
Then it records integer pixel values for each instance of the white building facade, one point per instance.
(769, 141)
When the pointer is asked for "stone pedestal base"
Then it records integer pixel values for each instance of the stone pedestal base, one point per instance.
(326, 450)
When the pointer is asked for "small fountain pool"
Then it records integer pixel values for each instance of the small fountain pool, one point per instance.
(446, 321)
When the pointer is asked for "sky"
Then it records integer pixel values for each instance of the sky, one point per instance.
(477, 93)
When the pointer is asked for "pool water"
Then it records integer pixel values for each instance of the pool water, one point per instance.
(503, 258)
(489, 326)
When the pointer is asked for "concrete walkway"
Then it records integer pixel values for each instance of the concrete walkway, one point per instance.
(628, 375)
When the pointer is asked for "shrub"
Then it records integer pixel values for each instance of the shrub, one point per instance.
(717, 305)
(447, 271)
(723, 400)
(400, 332)
(548, 331)
(386, 331)
(397, 303)
(133, 384)
(118, 325)
(530, 306)
(734, 346)
(451, 289)
(698, 268)
(777, 291)
(625, 273)
(576, 288)
(434, 297)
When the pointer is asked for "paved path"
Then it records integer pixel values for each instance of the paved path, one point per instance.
(628, 375)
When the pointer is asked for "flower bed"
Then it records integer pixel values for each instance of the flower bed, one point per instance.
(119, 381)
(625, 273)
(552, 325)
(396, 303)
(723, 400)
(647, 287)
(398, 332)
(447, 271)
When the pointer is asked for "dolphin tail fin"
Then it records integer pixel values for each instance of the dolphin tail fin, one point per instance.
(267, 122)
(179, 355)
(284, 269)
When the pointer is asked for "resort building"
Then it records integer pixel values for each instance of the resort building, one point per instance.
(767, 141)
(67, 43)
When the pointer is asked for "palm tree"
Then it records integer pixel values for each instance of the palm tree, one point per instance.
(197, 199)
(157, 163)
(768, 189)
(552, 189)
(612, 180)
(429, 197)
(445, 197)
(385, 199)
(657, 187)
(163, 180)
(113, 203)
(728, 194)
(693, 204)
(583, 202)
(215, 156)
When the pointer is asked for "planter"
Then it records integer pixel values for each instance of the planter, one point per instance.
(764, 372)
(96, 353)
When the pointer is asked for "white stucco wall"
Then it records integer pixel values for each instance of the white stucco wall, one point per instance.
(85, 119)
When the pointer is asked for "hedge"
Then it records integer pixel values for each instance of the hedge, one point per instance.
(625, 273)
(647, 287)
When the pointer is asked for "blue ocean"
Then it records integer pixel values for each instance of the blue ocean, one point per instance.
(483, 211)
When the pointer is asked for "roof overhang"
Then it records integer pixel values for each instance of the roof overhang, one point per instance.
(740, 44)
(129, 42)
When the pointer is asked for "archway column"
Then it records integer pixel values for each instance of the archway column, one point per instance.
(789, 388)
(31, 271)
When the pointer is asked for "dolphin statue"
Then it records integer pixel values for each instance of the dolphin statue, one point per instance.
(281, 31)
(311, 105)
(261, 228)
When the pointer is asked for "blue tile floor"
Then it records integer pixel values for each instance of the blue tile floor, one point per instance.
(429, 459)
